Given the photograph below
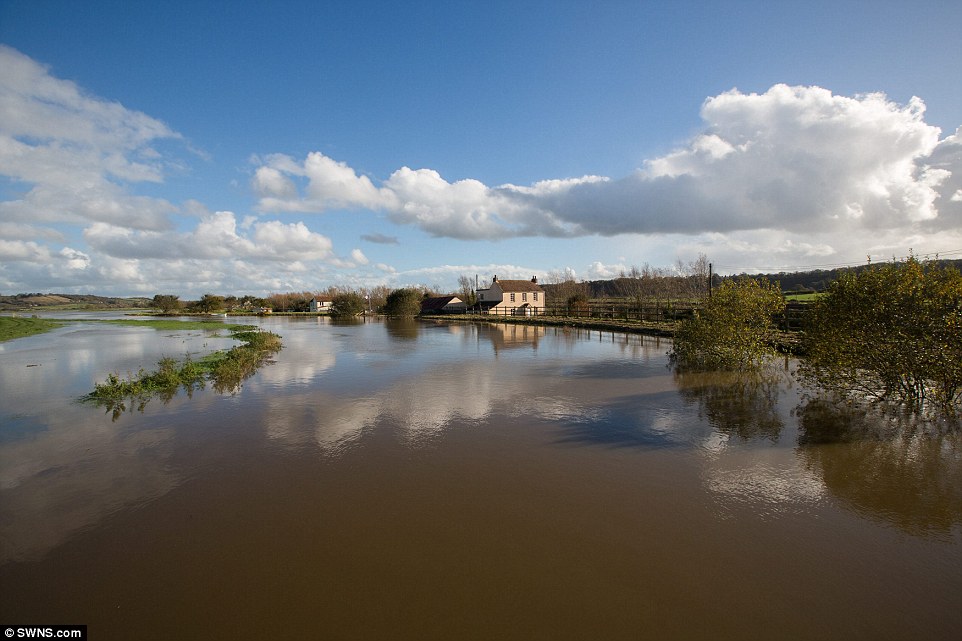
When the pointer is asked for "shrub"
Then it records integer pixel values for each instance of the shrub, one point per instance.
(347, 305)
(403, 302)
(735, 328)
(892, 332)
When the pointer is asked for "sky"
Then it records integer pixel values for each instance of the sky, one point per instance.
(262, 147)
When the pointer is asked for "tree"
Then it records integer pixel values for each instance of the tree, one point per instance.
(208, 303)
(562, 286)
(347, 305)
(166, 303)
(734, 330)
(466, 291)
(892, 332)
(403, 302)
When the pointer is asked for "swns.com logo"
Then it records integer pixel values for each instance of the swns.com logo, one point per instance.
(45, 632)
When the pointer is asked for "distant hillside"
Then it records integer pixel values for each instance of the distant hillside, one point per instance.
(817, 280)
(27, 302)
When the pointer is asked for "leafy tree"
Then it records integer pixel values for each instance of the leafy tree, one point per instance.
(209, 302)
(166, 303)
(892, 333)
(347, 304)
(403, 302)
(733, 330)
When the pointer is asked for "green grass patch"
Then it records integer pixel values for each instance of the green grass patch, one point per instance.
(225, 370)
(169, 324)
(804, 298)
(12, 327)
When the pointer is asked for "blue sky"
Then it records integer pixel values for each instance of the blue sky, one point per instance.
(256, 147)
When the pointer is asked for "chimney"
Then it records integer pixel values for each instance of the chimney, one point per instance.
(534, 279)
(495, 279)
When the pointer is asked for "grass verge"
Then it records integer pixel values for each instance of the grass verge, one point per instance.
(12, 327)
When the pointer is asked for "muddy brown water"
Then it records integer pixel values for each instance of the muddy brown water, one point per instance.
(389, 480)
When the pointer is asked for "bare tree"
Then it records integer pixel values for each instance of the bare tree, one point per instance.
(466, 291)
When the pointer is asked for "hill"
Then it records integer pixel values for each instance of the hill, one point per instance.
(29, 302)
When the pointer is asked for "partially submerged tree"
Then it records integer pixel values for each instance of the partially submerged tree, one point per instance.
(403, 302)
(892, 332)
(735, 329)
(347, 305)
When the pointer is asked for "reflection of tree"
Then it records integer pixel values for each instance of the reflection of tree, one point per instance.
(740, 404)
(887, 466)
(401, 327)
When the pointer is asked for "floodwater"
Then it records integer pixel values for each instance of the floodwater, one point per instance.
(403, 480)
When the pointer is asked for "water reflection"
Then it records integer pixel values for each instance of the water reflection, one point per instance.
(337, 389)
(73, 471)
(885, 467)
(740, 404)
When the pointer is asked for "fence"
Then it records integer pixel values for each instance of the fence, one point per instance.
(791, 320)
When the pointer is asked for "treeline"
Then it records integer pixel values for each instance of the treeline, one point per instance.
(691, 280)
(819, 280)
(638, 285)
(365, 298)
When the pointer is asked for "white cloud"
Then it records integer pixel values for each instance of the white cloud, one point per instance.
(216, 237)
(358, 257)
(328, 185)
(789, 159)
(463, 209)
(76, 152)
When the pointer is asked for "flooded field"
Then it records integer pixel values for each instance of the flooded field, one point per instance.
(401, 480)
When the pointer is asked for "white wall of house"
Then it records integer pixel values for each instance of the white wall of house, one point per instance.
(502, 297)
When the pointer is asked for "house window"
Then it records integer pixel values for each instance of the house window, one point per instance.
(536, 295)
(512, 297)
(524, 296)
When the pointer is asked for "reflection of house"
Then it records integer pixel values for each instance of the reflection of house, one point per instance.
(512, 297)
(505, 336)
(321, 304)
(443, 305)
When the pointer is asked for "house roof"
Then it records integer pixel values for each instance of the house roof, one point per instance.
(519, 286)
(437, 302)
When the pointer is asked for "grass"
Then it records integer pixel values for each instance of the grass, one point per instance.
(168, 324)
(804, 298)
(224, 369)
(12, 327)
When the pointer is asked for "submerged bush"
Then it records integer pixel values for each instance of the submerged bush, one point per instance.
(347, 305)
(225, 369)
(735, 329)
(891, 332)
(403, 302)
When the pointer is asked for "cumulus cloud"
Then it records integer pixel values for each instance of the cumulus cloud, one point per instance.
(216, 236)
(790, 159)
(76, 152)
(465, 209)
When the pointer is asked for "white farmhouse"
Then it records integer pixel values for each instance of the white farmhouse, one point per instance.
(512, 297)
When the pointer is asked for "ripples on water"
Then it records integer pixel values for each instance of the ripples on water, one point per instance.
(429, 480)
